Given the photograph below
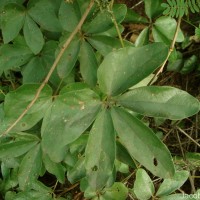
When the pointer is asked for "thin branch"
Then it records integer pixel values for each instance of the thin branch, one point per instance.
(184, 158)
(110, 10)
(68, 189)
(64, 47)
(182, 131)
(137, 4)
(169, 52)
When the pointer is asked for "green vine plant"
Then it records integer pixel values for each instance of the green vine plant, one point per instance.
(80, 127)
(178, 8)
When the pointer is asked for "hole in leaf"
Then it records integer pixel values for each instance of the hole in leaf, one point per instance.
(95, 168)
(155, 162)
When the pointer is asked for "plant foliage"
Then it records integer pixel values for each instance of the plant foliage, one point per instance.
(84, 125)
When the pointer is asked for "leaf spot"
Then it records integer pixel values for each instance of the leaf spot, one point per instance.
(23, 124)
(81, 103)
(155, 162)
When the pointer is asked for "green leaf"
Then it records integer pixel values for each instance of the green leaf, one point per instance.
(126, 67)
(144, 82)
(12, 20)
(189, 64)
(119, 11)
(69, 116)
(38, 67)
(112, 32)
(118, 192)
(164, 29)
(69, 15)
(13, 56)
(104, 44)
(68, 59)
(196, 195)
(78, 145)
(33, 35)
(77, 172)
(100, 23)
(153, 8)
(142, 143)
(11, 180)
(100, 151)
(103, 20)
(121, 167)
(5, 2)
(16, 101)
(25, 136)
(164, 102)
(169, 186)
(143, 38)
(45, 14)
(34, 71)
(175, 65)
(88, 64)
(40, 187)
(123, 155)
(15, 149)
(30, 167)
(133, 17)
(143, 186)
(54, 168)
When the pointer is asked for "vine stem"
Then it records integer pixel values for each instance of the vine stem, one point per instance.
(169, 52)
(53, 67)
(110, 10)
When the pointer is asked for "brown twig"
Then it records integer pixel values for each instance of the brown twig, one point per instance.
(64, 47)
(68, 189)
(184, 158)
(190, 138)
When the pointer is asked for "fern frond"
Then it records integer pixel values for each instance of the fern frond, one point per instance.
(178, 8)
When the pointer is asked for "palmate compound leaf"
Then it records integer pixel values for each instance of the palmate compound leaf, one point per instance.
(16, 101)
(38, 67)
(100, 151)
(165, 102)
(44, 12)
(126, 67)
(69, 116)
(163, 30)
(142, 144)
